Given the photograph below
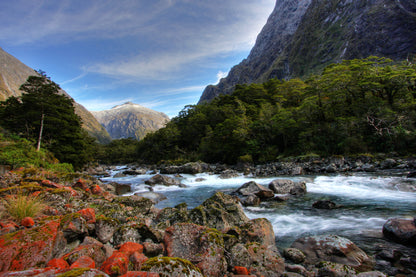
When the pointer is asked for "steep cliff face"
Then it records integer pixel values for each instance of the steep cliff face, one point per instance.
(131, 121)
(14, 73)
(302, 37)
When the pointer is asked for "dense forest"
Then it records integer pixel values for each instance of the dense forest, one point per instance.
(353, 107)
(356, 106)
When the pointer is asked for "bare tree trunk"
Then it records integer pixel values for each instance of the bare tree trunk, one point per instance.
(40, 132)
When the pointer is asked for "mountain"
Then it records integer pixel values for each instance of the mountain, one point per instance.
(131, 120)
(14, 73)
(303, 36)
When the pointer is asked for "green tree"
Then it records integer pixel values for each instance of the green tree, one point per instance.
(44, 115)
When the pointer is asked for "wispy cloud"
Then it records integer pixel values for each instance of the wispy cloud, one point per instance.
(168, 34)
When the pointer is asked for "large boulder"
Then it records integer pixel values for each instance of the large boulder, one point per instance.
(401, 230)
(335, 249)
(203, 246)
(29, 248)
(221, 211)
(284, 186)
(159, 179)
(252, 188)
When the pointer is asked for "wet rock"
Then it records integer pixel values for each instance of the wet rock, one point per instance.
(154, 196)
(221, 211)
(284, 186)
(201, 245)
(251, 200)
(294, 255)
(121, 189)
(228, 174)
(388, 164)
(335, 249)
(324, 204)
(173, 267)
(252, 187)
(401, 230)
(159, 179)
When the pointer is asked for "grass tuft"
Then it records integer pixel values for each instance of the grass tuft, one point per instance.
(19, 206)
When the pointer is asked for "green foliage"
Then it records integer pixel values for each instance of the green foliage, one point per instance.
(18, 152)
(356, 106)
(44, 115)
(119, 151)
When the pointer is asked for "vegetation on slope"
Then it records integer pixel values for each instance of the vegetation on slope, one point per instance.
(357, 106)
(47, 117)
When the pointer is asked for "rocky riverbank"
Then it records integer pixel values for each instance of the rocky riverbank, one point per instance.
(85, 229)
(310, 165)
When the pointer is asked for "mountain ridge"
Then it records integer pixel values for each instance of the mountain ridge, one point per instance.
(130, 120)
(302, 37)
(13, 73)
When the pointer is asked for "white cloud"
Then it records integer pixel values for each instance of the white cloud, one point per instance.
(221, 75)
(163, 36)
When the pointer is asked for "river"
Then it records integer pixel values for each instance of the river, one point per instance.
(365, 201)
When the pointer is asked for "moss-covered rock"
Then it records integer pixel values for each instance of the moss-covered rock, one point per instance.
(221, 211)
(201, 245)
(172, 267)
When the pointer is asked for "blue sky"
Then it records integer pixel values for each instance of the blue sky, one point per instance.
(157, 53)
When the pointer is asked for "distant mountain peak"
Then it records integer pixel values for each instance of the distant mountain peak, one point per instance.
(130, 120)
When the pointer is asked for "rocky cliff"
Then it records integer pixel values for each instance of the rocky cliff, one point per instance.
(303, 36)
(14, 73)
(131, 120)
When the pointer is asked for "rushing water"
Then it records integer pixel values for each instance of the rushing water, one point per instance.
(366, 201)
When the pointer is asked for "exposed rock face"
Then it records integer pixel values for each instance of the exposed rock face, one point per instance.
(301, 37)
(14, 73)
(401, 230)
(131, 121)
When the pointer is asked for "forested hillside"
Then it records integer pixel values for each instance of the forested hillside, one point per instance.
(357, 106)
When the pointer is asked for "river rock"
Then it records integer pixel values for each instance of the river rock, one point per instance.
(335, 249)
(154, 196)
(259, 259)
(201, 245)
(284, 186)
(401, 230)
(252, 187)
(221, 211)
(121, 189)
(251, 200)
(294, 255)
(228, 174)
(159, 179)
(324, 204)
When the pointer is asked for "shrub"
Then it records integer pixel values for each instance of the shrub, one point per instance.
(19, 206)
